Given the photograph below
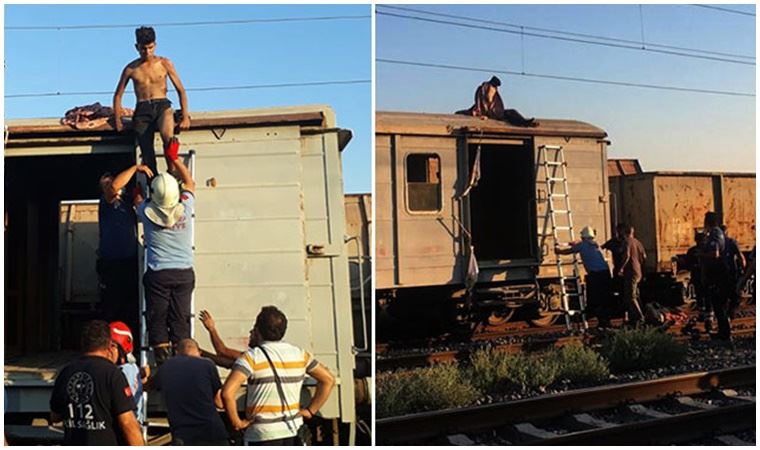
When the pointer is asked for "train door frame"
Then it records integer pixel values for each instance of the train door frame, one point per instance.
(466, 157)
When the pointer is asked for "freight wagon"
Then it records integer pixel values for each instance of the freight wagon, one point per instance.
(429, 234)
(666, 208)
(269, 229)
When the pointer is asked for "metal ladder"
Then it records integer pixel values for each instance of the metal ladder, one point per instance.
(573, 296)
(143, 266)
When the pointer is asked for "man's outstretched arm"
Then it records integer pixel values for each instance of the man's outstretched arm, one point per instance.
(222, 350)
(174, 77)
(120, 88)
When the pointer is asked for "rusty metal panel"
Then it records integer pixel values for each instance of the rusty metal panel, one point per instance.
(617, 167)
(681, 203)
(637, 202)
(385, 244)
(427, 248)
(739, 209)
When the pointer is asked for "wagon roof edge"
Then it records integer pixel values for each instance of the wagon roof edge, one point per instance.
(307, 115)
(399, 122)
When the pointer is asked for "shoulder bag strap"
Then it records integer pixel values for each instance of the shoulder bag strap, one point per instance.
(278, 382)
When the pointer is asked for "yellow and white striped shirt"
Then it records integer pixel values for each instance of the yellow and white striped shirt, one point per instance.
(264, 406)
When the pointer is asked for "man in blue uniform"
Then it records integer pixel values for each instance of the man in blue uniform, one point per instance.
(117, 249)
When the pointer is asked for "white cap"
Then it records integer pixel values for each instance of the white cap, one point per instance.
(587, 233)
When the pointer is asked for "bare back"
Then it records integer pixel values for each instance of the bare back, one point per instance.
(148, 77)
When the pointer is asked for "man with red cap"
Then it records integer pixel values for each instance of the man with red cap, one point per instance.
(122, 336)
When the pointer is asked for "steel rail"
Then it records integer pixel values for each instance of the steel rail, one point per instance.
(422, 426)
(667, 430)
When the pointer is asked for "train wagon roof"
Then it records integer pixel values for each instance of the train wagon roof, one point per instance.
(672, 173)
(311, 116)
(387, 122)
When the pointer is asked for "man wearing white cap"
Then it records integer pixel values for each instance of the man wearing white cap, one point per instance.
(597, 273)
(169, 279)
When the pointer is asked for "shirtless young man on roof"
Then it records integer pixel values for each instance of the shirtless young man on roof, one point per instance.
(153, 111)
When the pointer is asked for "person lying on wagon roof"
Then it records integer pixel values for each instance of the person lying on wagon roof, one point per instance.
(488, 103)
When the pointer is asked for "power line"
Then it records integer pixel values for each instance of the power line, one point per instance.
(187, 24)
(638, 44)
(565, 78)
(203, 89)
(728, 10)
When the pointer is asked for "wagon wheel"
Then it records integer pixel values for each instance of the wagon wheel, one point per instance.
(544, 319)
(501, 316)
(545, 314)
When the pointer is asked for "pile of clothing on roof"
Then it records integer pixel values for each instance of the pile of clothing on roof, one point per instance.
(91, 116)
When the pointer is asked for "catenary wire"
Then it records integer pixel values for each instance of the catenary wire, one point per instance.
(567, 78)
(185, 24)
(638, 44)
(203, 89)
(728, 10)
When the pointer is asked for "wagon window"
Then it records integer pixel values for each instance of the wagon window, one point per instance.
(423, 179)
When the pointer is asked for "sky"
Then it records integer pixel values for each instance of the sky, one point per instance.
(665, 130)
(242, 54)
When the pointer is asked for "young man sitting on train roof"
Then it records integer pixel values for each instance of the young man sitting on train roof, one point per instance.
(598, 280)
(488, 104)
(153, 111)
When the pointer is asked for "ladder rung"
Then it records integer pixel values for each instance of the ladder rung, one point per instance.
(561, 211)
(563, 227)
(558, 195)
(555, 179)
(554, 163)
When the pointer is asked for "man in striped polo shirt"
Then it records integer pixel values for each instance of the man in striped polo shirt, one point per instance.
(273, 414)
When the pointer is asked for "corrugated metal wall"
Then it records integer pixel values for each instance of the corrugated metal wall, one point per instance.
(275, 192)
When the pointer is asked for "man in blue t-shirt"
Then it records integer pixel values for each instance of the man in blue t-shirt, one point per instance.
(598, 278)
(169, 279)
(191, 388)
(117, 247)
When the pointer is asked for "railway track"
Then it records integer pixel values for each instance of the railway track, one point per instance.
(523, 339)
(668, 410)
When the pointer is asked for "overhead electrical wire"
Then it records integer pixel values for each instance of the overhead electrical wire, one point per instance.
(185, 24)
(728, 10)
(566, 78)
(203, 89)
(580, 38)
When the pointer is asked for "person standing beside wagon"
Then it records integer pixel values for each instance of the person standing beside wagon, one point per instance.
(597, 274)
(630, 270)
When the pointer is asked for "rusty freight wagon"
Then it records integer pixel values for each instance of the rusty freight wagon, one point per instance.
(269, 229)
(666, 208)
(431, 213)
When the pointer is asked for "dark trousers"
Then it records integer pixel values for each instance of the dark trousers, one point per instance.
(716, 291)
(119, 294)
(598, 296)
(631, 299)
(284, 441)
(515, 118)
(168, 293)
(145, 124)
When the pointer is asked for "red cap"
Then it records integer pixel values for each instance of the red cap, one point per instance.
(121, 334)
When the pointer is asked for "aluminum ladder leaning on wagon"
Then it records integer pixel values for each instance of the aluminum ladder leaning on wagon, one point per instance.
(143, 265)
(552, 158)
